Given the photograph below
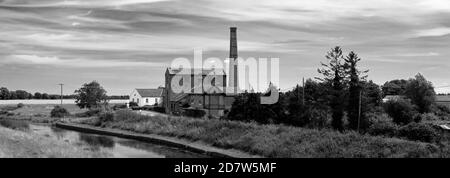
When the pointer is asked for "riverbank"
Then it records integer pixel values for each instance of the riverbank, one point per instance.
(22, 144)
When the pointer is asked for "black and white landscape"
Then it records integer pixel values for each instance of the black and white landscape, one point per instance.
(100, 78)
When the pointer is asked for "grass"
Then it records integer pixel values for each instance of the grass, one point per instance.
(45, 109)
(274, 140)
(15, 124)
(18, 144)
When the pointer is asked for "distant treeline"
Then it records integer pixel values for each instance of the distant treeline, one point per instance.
(6, 94)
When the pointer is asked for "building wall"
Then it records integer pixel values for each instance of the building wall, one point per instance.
(144, 101)
(169, 95)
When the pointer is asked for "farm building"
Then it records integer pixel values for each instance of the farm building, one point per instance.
(214, 102)
(147, 97)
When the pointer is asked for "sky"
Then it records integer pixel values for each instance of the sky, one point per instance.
(127, 44)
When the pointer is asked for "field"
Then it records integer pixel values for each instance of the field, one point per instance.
(50, 102)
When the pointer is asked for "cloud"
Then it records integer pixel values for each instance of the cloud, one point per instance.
(429, 54)
(433, 32)
(74, 63)
(108, 34)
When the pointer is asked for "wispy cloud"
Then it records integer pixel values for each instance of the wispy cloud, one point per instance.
(433, 32)
(104, 35)
(75, 63)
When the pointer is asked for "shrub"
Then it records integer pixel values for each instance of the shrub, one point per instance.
(319, 119)
(383, 128)
(20, 105)
(428, 117)
(442, 111)
(402, 111)
(419, 132)
(14, 124)
(131, 104)
(90, 112)
(93, 112)
(105, 117)
(119, 106)
(196, 113)
(59, 112)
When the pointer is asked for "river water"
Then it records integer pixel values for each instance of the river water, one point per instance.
(118, 147)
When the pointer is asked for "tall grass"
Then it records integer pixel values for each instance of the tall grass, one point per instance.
(14, 124)
(275, 140)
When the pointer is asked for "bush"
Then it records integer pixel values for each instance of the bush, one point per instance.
(105, 117)
(428, 117)
(15, 124)
(442, 111)
(93, 112)
(318, 118)
(59, 112)
(20, 105)
(419, 132)
(132, 104)
(402, 111)
(119, 106)
(195, 113)
(382, 127)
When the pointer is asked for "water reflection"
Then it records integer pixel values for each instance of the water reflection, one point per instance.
(97, 141)
(118, 147)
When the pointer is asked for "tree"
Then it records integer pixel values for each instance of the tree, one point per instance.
(21, 94)
(372, 95)
(334, 75)
(401, 111)
(37, 95)
(90, 95)
(4, 93)
(45, 96)
(421, 92)
(395, 87)
(356, 76)
(247, 107)
(12, 95)
(313, 113)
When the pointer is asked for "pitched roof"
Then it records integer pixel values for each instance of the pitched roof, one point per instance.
(150, 92)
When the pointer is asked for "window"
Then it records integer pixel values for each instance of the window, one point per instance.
(137, 100)
(146, 100)
(133, 100)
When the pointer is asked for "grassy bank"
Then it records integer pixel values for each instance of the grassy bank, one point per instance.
(271, 140)
(20, 144)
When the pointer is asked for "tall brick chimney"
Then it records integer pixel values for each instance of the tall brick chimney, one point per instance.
(233, 74)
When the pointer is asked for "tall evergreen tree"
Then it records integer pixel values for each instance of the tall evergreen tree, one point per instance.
(354, 110)
(334, 74)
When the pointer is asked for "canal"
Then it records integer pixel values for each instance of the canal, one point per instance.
(117, 147)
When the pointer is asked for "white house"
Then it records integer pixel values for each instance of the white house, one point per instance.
(147, 97)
